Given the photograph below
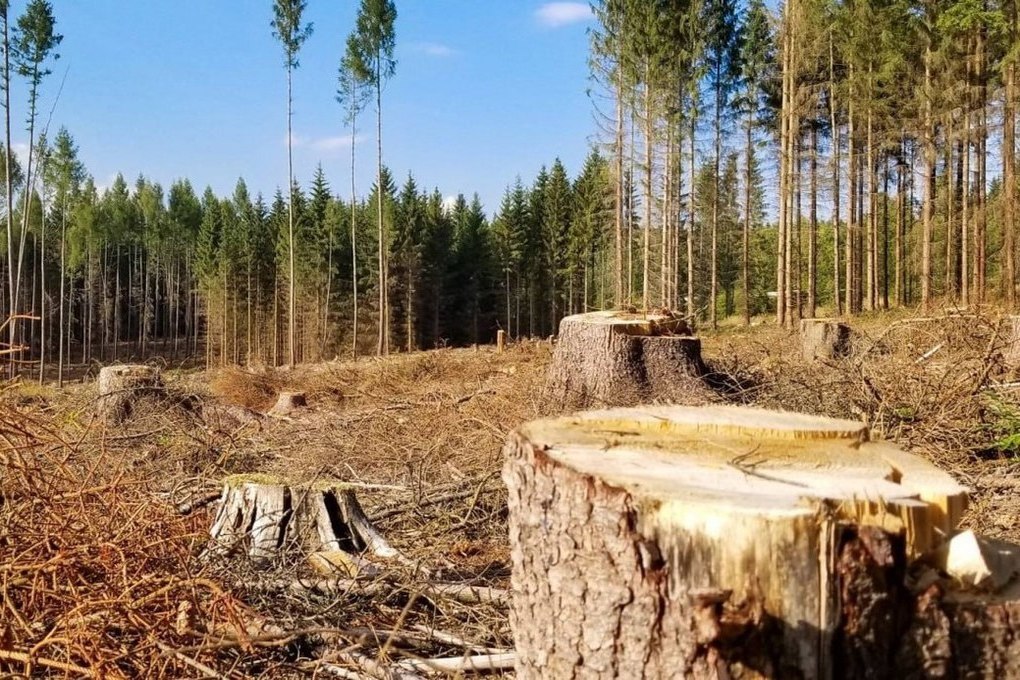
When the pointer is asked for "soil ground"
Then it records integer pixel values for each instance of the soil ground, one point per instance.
(102, 574)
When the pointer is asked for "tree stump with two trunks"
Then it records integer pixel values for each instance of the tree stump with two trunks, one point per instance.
(618, 358)
(716, 542)
(267, 516)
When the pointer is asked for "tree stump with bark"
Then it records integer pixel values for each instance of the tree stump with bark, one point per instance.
(288, 402)
(120, 388)
(265, 516)
(619, 358)
(824, 339)
(714, 542)
(1011, 338)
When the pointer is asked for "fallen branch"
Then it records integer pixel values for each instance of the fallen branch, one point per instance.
(461, 664)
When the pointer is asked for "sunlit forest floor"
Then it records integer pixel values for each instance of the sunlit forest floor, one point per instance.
(103, 573)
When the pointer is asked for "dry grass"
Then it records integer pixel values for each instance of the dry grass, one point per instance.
(250, 389)
(101, 575)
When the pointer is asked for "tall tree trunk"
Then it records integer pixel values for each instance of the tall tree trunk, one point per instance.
(649, 160)
(714, 294)
(384, 312)
(928, 206)
(813, 226)
(871, 246)
(292, 302)
(784, 134)
(354, 225)
(745, 264)
(852, 217)
(1009, 167)
(836, 143)
(691, 208)
(618, 205)
(11, 333)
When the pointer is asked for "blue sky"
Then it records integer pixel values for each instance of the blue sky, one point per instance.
(484, 90)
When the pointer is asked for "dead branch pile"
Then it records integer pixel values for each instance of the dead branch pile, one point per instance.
(937, 385)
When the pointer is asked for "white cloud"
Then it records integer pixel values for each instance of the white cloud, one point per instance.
(325, 145)
(556, 14)
(448, 203)
(432, 49)
(337, 143)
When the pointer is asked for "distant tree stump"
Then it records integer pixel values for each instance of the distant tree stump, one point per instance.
(288, 402)
(120, 387)
(617, 358)
(824, 339)
(500, 341)
(718, 542)
(1011, 338)
(264, 516)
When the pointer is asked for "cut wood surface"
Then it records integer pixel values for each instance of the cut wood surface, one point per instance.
(616, 358)
(264, 515)
(675, 539)
(824, 339)
(120, 387)
(288, 402)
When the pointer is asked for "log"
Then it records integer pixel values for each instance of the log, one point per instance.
(620, 358)
(288, 402)
(265, 515)
(668, 541)
(824, 339)
(121, 387)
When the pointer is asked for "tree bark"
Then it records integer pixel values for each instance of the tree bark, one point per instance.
(265, 516)
(667, 542)
(618, 358)
(120, 387)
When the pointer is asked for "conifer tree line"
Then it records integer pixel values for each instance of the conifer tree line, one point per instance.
(832, 154)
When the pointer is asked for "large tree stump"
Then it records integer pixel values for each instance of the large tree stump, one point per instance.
(662, 542)
(824, 339)
(265, 516)
(120, 387)
(616, 358)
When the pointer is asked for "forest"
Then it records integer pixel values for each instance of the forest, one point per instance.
(832, 156)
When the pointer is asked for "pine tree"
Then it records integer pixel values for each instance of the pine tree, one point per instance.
(375, 42)
(289, 30)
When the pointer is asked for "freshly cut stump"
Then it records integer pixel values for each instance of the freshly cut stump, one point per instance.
(264, 516)
(667, 541)
(616, 358)
(120, 387)
(824, 339)
(288, 402)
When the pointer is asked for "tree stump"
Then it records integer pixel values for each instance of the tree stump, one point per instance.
(824, 339)
(1011, 342)
(120, 387)
(712, 542)
(287, 403)
(265, 516)
(617, 358)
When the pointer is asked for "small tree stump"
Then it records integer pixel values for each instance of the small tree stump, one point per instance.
(704, 542)
(1011, 341)
(617, 358)
(287, 403)
(824, 339)
(121, 386)
(265, 515)
(500, 341)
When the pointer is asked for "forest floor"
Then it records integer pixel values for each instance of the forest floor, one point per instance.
(102, 574)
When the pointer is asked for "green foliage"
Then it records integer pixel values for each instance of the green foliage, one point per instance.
(288, 29)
